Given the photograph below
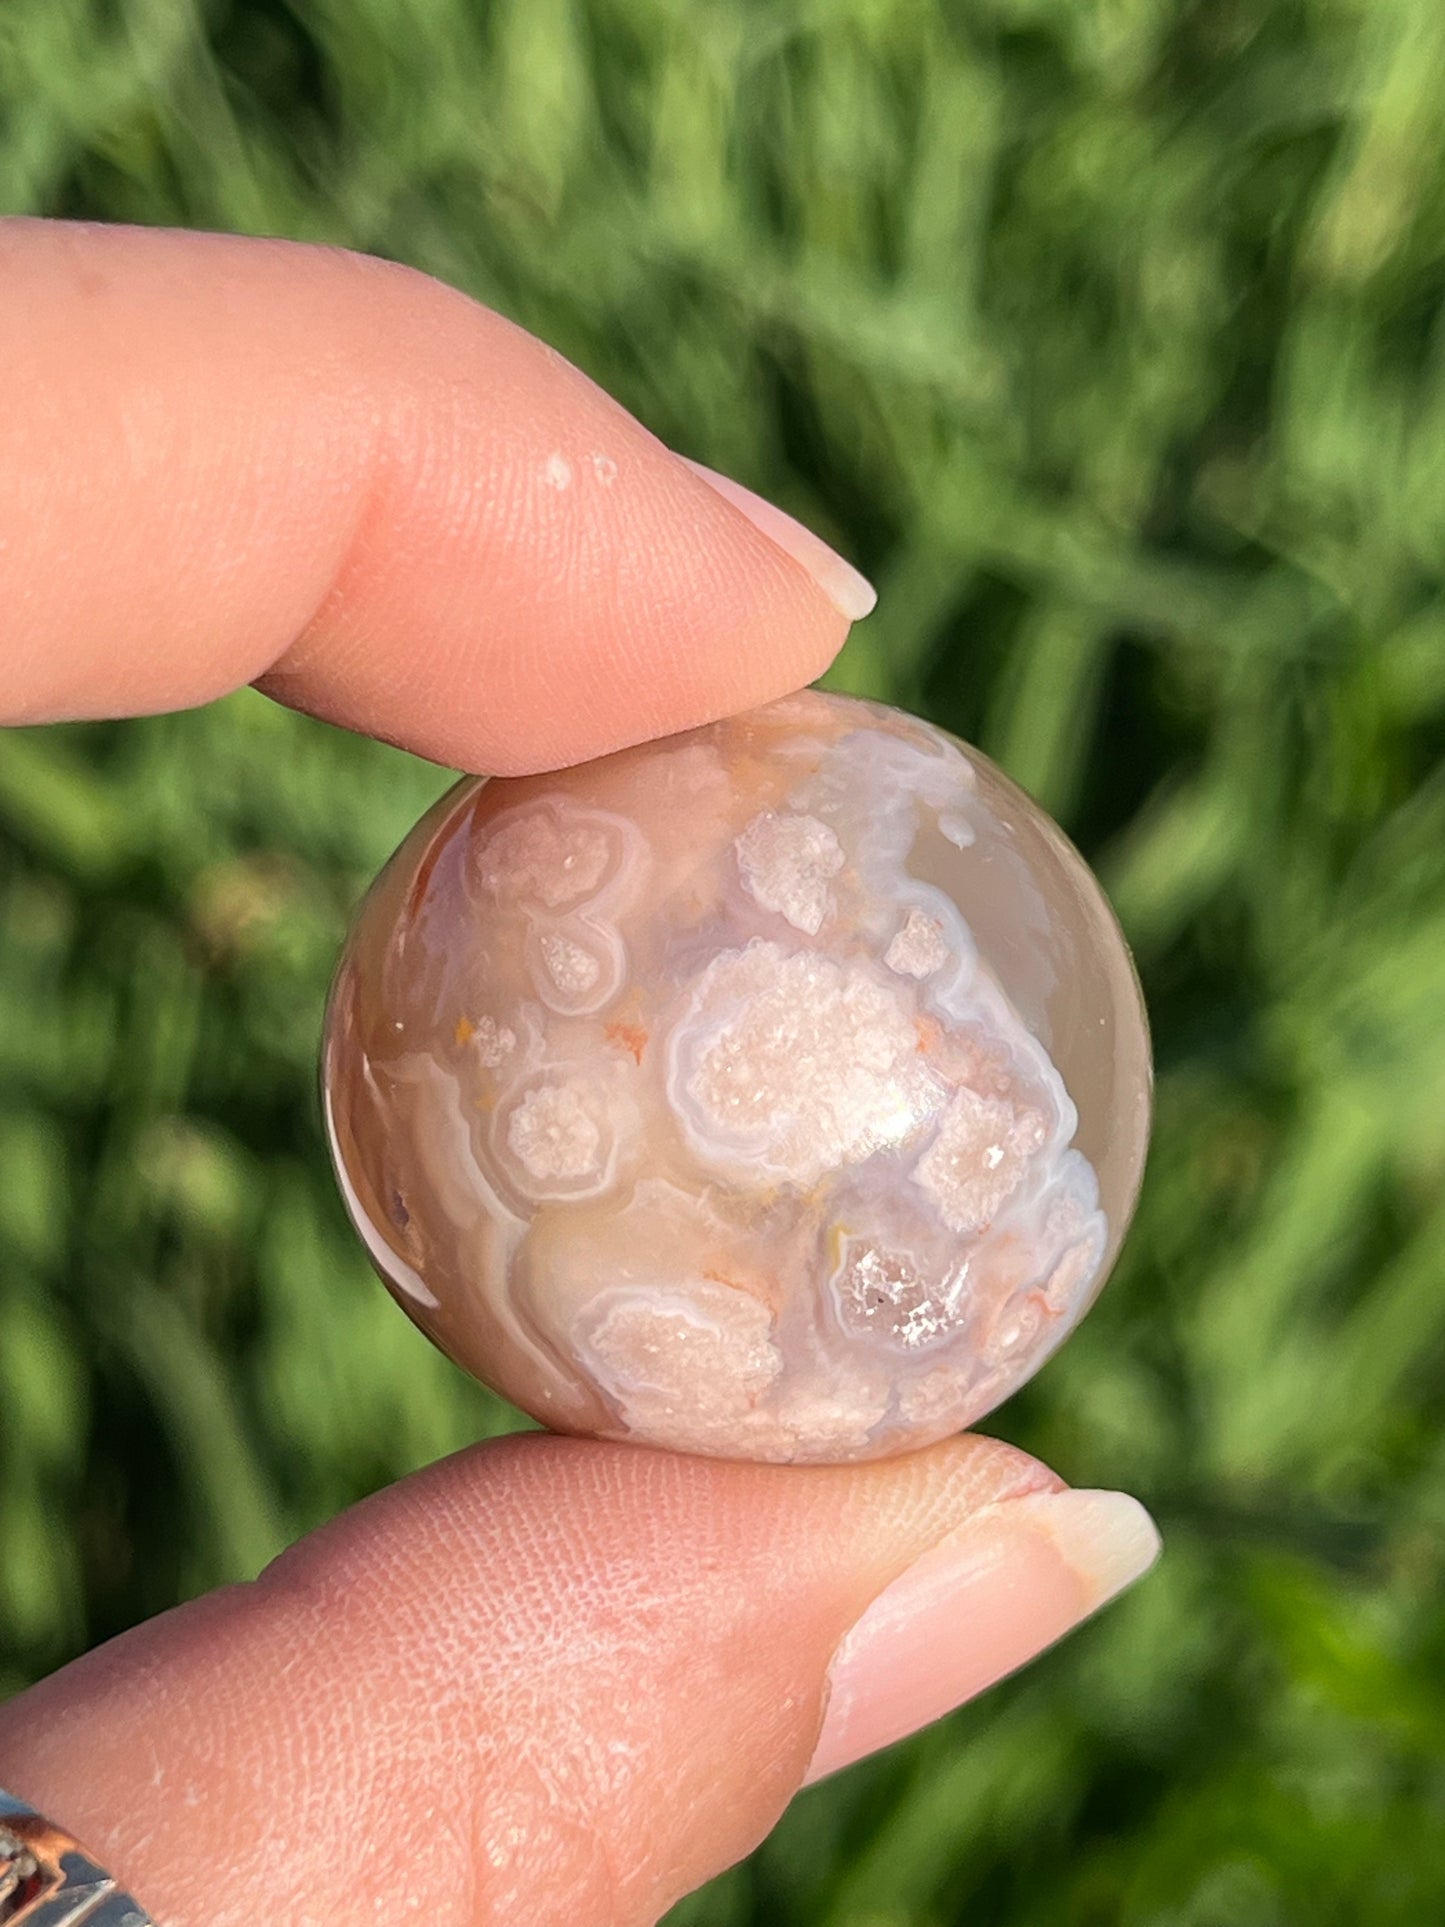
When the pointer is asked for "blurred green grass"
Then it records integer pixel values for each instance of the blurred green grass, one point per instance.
(1107, 335)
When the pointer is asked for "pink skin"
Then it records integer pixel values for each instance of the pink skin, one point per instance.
(571, 1680)
(350, 473)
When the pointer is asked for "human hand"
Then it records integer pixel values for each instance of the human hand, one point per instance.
(545, 1680)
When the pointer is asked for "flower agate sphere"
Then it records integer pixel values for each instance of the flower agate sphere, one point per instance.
(777, 1091)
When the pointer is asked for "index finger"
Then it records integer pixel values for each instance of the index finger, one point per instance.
(225, 461)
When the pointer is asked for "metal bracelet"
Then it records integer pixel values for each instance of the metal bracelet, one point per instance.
(47, 1879)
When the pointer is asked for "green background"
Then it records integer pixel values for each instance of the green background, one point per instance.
(1106, 334)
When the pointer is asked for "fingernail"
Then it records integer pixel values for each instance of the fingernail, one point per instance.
(1019, 1575)
(850, 593)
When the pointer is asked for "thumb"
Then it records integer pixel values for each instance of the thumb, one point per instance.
(553, 1681)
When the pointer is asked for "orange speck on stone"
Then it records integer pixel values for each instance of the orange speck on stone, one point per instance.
(465, 1031)
(930, 1033)
(631, 1037)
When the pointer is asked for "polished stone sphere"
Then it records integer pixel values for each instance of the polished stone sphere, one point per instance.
(776, 1091)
